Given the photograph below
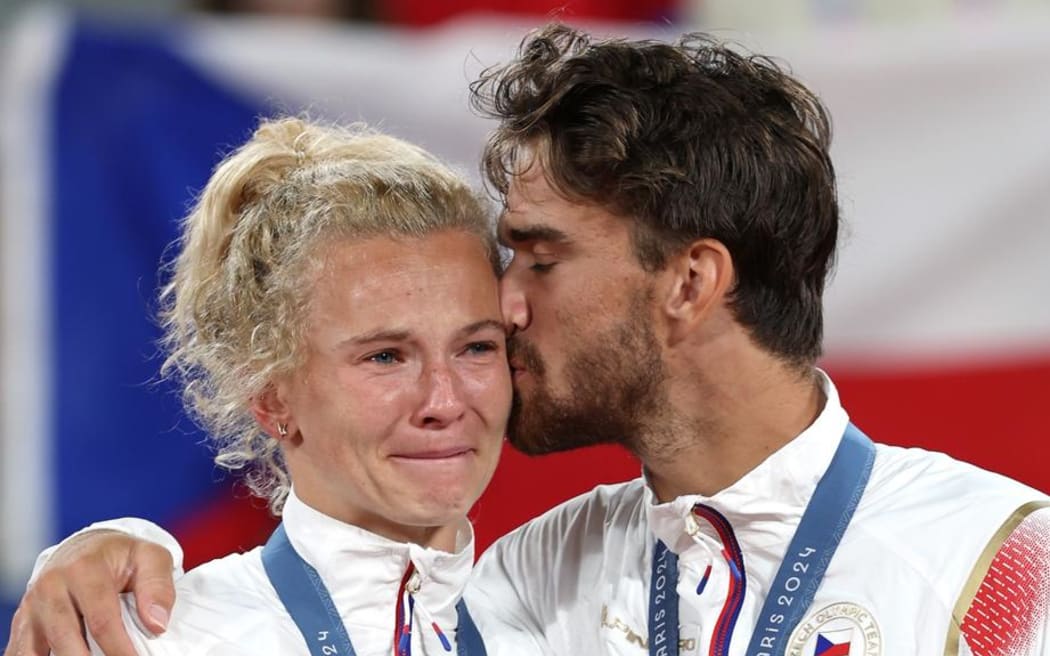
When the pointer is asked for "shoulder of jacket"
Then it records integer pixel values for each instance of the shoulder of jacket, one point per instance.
(933, 485)
(584, 514)
(937, 515)
(215, 603)
(237, 580)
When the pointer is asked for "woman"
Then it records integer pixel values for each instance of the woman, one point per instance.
(333, 318)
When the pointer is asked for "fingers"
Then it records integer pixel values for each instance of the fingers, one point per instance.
(84, 577)
(98, 599)
(49, 617)
(24, 640)
(144, 569)
(151, 582)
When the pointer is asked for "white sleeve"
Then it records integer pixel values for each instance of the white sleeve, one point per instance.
(133, 526)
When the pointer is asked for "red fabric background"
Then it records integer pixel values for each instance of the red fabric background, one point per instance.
(990, 414)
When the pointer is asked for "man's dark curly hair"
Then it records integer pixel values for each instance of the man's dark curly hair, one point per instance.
(688, 141)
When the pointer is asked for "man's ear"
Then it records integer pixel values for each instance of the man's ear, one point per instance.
(272, 413)
(700, 277)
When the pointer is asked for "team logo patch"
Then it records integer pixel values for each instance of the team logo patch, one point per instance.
(842, 629)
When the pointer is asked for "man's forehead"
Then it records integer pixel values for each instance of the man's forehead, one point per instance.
(520, 208)
(531, 201)
(555, 219)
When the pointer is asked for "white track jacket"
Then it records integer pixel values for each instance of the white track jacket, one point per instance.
(940, 559)
(228, 607)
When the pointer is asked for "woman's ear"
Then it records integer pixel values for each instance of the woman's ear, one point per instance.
(272, 413)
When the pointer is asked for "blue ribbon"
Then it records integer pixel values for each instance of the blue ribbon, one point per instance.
(468, 640)
(310, 606)
(663, 602)
(818, 535)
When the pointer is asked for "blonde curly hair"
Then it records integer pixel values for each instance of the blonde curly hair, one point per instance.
(232, 309)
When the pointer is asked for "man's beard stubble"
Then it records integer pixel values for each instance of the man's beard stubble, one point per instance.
(616, 381)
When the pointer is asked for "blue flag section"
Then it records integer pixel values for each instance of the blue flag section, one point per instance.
(134, 136)
(133, 132)
(7, 609)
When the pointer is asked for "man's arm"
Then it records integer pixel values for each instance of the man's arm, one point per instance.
(1009, 611)
(76, 586)
(499, 605)
(530, 588)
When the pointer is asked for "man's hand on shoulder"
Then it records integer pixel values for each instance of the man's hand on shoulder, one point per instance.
(79, 589)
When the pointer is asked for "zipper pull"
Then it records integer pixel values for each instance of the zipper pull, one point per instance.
(414, 583)
(703, 581)
(441, 636)
(692, 527)
(403, 644)
(425, 616)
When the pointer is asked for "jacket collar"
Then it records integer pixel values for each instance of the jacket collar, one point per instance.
(769, 497)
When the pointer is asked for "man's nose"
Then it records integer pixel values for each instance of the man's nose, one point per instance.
(443, 401)
(513, 304)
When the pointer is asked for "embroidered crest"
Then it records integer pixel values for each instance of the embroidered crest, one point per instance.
(842, 629)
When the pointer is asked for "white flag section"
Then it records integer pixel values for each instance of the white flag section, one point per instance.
(942, 148)
(939, 309)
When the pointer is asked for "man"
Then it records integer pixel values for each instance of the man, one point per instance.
(673, 216)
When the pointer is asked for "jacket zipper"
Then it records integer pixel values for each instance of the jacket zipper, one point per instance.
(737, 580)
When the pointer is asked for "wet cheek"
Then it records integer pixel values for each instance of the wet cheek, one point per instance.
(378, 404)
(388, 395)
(382, 385)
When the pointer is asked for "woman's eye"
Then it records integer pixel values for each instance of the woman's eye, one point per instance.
(384, 357)
(539, 267)
(482, 347)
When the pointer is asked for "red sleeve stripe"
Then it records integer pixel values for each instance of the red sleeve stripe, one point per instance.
(1005, 599)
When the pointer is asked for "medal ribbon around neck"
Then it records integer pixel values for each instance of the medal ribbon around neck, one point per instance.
(310, 605)
(818, 535)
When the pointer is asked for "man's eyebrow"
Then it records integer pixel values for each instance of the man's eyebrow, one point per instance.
(538, 232)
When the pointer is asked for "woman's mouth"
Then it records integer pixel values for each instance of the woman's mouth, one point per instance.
(435, 454)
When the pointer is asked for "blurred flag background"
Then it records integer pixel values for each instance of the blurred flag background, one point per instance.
(938, 318)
